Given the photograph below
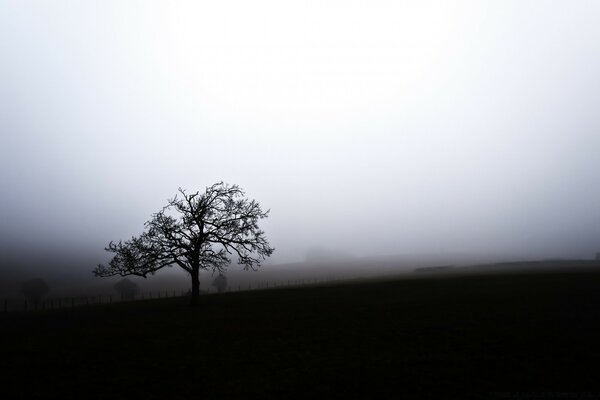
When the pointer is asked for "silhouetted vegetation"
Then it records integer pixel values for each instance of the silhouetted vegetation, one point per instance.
(34, 290)
(196, 232)
(220, 283)
(127, 289)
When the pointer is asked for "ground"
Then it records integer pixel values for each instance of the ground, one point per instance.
(511, 335)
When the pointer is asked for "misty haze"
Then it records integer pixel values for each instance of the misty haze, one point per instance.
(415, 172)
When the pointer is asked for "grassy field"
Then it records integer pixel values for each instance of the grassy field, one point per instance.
(528, 335)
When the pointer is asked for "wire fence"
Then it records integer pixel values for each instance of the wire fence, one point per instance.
(26, 305)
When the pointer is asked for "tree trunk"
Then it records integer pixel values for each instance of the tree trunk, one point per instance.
(195, 286)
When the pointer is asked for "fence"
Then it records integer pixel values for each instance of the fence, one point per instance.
(16, 304)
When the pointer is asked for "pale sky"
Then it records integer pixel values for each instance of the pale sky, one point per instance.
(367, 127)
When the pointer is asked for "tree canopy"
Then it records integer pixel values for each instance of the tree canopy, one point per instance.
(197, 231)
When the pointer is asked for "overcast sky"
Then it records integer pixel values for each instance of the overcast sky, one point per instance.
(366, 127)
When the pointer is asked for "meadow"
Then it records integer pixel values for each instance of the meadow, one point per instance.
(503, 335)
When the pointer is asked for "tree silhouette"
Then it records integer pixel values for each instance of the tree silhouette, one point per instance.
(196, 231)
(127, 289)
(34, 290)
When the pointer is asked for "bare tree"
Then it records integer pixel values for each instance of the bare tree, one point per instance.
(198, 231)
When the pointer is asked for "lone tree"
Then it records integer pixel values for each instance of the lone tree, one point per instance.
(198, 231)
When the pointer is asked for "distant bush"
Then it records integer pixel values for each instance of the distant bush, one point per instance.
(220, 283)
(34, 290)
(127, 289)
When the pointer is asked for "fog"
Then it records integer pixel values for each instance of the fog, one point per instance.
(367, 128)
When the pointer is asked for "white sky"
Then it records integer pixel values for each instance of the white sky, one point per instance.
(365, 126)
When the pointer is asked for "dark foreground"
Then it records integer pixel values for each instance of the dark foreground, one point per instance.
(510, 336)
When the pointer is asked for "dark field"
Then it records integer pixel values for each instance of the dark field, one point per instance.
(530, 335)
